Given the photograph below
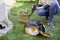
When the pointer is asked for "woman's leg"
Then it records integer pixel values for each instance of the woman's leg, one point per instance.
(42, 12)
(52, 12)
(57, 10)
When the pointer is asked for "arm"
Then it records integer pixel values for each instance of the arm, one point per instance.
(36, 7)
(40, 7)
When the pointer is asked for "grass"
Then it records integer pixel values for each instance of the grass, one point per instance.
(18, 29)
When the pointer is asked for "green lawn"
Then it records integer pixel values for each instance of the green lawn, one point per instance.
(18, 29)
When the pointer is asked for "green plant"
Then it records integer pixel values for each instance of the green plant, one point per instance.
(23, 11)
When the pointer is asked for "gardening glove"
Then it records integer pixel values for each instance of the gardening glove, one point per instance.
(33, 8)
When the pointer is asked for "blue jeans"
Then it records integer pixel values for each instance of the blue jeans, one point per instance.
(53, 9)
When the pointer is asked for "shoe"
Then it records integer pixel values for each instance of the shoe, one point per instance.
(46, 18)
(51, 25)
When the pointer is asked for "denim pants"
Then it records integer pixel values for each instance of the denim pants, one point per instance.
(53, 9)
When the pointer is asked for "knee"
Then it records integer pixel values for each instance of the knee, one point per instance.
(54, 4)
(41, 13)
